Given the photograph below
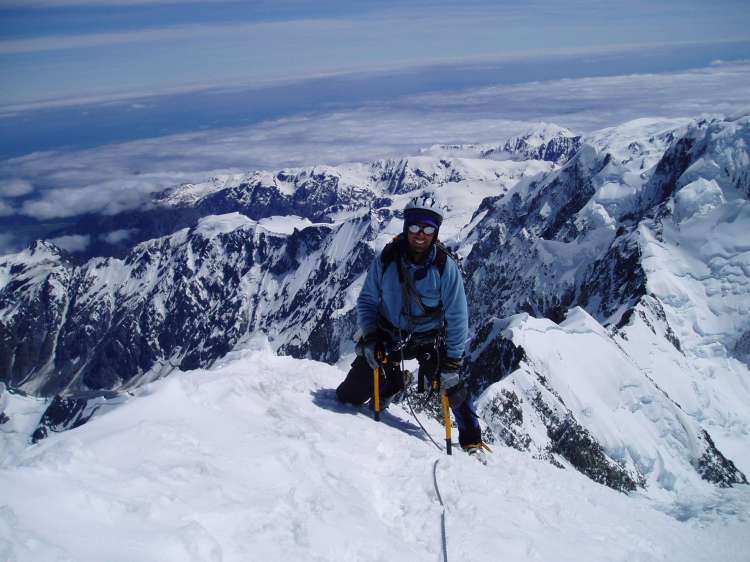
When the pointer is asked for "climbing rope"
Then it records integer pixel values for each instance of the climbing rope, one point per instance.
(434, 477)
(442, 515)
(427, 433)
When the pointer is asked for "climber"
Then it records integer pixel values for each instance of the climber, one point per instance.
(413, 306)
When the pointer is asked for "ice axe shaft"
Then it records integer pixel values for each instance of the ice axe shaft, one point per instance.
(376, 384)
(376, 392)
(447, 419)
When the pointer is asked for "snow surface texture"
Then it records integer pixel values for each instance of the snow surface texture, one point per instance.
(696, 255)
(254, 460)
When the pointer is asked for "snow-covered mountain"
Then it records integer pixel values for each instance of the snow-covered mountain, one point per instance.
(543, 142)
(608, 291)
(317, 194)
(184, 299)
(656, 256)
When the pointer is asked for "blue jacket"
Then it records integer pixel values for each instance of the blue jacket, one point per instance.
(382, 295)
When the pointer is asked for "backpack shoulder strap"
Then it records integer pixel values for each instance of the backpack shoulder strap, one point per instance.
(443, 253)
(391, 253)
(441, 257)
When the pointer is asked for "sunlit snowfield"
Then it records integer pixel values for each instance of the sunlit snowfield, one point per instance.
(254, 459)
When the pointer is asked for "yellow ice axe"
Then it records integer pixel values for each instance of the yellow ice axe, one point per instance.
(447, 419)
(376, 392)
(376, 384)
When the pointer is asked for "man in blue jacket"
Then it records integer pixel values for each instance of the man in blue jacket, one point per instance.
(413, 306)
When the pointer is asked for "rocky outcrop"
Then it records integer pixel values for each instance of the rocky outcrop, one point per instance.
(181, 302)
(61, 414)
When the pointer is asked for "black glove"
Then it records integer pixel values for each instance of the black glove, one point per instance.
(449, 376)
(451, 383)
(370, 347)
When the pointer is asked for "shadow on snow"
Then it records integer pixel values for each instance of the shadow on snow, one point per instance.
(326, 398)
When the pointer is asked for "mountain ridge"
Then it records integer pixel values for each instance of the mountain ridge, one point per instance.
(536, 237)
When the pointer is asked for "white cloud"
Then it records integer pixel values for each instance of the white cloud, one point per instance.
(6, 210)
(72, 243)
(106, 196)
(279, 76)
(119, 177)
(117, 236)
(61, 3)
(171, 33)
(15, 187)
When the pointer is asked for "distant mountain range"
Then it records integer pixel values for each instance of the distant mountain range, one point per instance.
(608, 280)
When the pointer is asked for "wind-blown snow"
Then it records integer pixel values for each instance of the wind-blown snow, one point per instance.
(284, 224)
(253, 460)
(214, 225)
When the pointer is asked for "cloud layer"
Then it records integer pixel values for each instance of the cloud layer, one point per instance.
(15, 188)
(115, 178)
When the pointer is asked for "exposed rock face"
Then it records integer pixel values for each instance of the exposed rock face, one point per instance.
(34, 304)
(492, 357)
(715, 467)
(3, 404)
(742, 348)
(180, 302)
(62, 414)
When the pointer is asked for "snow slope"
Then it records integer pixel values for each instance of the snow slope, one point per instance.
(253, 460)
(576, 386)
(696, 257)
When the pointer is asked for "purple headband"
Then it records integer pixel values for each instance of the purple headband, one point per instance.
(420, 218)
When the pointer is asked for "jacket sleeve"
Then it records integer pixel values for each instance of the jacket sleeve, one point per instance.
(368, 302)
(453, 296)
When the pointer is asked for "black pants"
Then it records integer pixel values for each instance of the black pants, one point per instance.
(357, 386)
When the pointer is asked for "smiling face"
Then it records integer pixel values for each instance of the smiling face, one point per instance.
(419, 243)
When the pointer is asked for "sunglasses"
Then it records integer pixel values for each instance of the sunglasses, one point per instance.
(417, 228)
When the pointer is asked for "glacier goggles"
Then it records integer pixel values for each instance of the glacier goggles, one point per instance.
(417, 228)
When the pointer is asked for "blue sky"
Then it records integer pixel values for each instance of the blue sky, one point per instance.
(68, 49)
(103, 102)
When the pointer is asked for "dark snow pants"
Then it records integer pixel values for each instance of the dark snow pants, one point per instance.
(357, 386)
